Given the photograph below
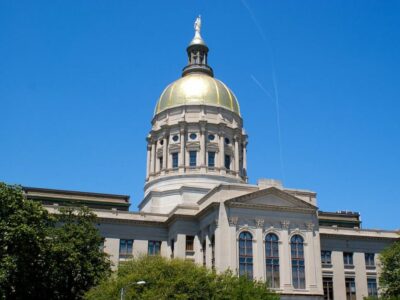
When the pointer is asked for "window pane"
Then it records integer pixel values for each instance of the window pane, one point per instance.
(175, 159)
(211, 159)
(192, 156)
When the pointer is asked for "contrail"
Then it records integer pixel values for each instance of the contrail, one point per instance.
(262, 88)
(276, 94)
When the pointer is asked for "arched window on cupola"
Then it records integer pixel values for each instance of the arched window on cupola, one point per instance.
(298, 267)
(246, 254)
(272, 260)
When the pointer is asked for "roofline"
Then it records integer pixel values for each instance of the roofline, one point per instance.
(77, 193)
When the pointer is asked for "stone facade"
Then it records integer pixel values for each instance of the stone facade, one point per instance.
(198, 205)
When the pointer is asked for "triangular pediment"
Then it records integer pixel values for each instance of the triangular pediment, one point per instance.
(271, 197)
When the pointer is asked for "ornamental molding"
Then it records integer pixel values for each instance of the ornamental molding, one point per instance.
(259, 222)
(233, 221)
(285, 224)
(310, 226)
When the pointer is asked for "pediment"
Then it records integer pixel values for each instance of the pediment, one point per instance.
(271, 197)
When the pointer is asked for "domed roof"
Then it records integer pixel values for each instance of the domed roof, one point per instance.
(197, 88)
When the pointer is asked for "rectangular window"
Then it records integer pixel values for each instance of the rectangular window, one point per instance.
(125, 248)
(326, 257)
(101, 246)
(370, 259)
(211, 159)
(348, 259)
(154, 248)
(175, 160)
(372, 287)
(350, 288)
(227, 162)
(161, 162)
(189, 243)
(192, 158)
(203, 248)
(172, 248)
(327, 284)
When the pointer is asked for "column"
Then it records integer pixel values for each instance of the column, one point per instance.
(165, 146)
(148, 161)
(237, 155)
(202, 154)
(222, 152)
(311, 258)
(284, 258)
(245, 159)
(152, 158)
(182, 153)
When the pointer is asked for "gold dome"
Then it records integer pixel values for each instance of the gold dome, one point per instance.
(197, 88)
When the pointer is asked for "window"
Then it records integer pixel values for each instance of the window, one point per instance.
(192, 158)
(213, 252)
(211, 137)
(175, 160)
(203, 248)
(227, 141)
(161, 162)
(350, 288)
(298, 270)
(101, 246)
(175, 138)
(372, 287)
(348, 259)
(125, 248)
(326, 257)
(211, 159)
(227, 162)
(154, 248)
(327, 284)
(193, 136)
(370, 259)
(246, 254)
(172, 248)
(272, 259)
(189, 243)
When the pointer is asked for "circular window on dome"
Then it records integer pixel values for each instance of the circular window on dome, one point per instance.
(175, 138)
(211, 137)
(193, 136)
(227, 141)
(161, 142)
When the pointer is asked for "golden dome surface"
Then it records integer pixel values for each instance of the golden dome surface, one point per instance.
(195, 89)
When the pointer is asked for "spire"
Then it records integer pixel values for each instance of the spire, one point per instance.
(197, 53)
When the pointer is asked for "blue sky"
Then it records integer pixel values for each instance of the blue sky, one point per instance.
(79, 81)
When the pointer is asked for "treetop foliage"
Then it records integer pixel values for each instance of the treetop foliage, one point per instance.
(44, 256)
(176, 279)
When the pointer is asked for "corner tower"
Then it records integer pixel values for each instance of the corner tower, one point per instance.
(197, 140)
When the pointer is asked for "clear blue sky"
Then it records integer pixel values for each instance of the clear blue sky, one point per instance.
(79, 81)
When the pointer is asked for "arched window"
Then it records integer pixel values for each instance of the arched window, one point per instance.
(272, 259)
(297, 253)
(246, 254)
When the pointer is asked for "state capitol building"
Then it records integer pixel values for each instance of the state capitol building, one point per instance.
(198, 205)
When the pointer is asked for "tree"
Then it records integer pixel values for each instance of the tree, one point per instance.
(176, 279)
(44, 256)
(390, 276)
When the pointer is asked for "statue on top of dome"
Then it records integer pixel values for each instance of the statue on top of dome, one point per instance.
(197, 24)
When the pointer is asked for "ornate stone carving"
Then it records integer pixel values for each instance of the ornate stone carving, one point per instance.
(259, 223)
(310, 226)
(233, 221)
(285, 224)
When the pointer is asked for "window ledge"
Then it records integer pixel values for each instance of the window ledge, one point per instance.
(349, 266)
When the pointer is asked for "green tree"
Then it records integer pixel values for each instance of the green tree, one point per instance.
(44, 256)
(176, 279)
(390, 276)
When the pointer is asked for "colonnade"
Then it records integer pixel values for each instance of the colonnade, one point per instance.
(229, 152)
